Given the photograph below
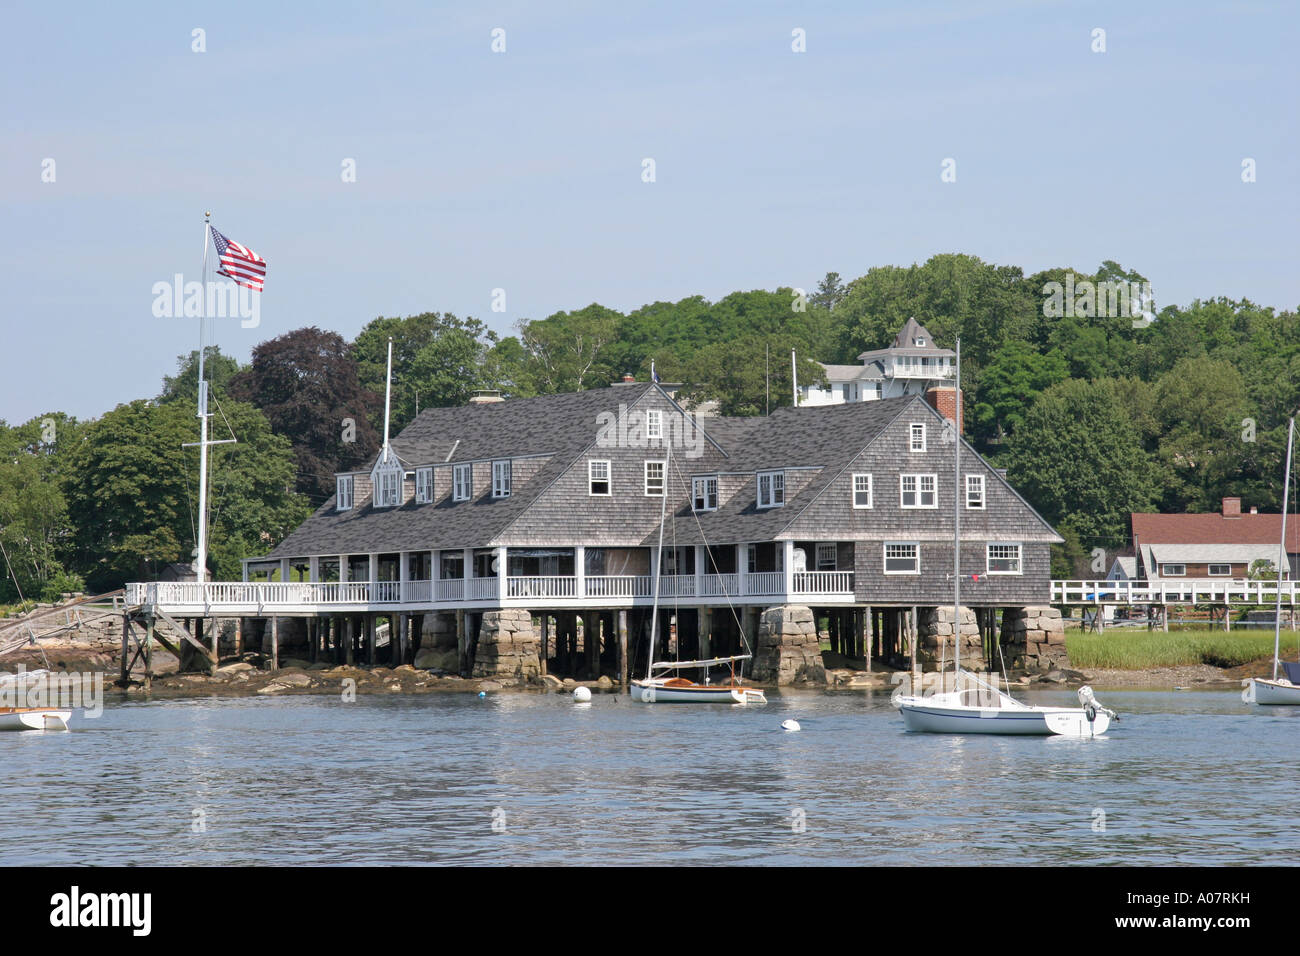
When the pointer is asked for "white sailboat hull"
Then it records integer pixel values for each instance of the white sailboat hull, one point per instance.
(1261, 691)
(942, 715)
(34, 718)
(654, 692)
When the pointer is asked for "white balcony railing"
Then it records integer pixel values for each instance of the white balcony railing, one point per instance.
(541, 586)
(719, 585)
(765, 582)
(823, 582)
(620, 586)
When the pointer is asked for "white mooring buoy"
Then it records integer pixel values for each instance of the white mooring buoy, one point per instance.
(790, 725)
(582, 695)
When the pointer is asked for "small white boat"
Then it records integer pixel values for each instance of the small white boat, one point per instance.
(679, 690)
(986, 710)
(1278, 690)
(34, 718)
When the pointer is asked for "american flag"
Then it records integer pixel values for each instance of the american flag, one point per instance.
(240, 263)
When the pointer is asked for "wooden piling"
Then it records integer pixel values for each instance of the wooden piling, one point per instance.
(462, 643)
(348, 640)
(275, 644)
(544, 629)
(622, 649)
(148, 651)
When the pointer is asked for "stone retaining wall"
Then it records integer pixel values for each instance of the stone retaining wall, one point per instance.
(1033, 638)
(508, 646)
(934, 627)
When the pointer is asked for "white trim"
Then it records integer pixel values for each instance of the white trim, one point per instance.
(662, 480)
(775, 489)
(1020, 556)
(387, 483)
(919, 490)
(705, 481)
(654, 423)
(1209, 570)
(884, 554)
(853, 490)
(424, 485)
(502, 477)
(819, 548)
(592, 478)
(979, 480)
(462, 482)
(1181, 573)
(911, 437)
(342, 482)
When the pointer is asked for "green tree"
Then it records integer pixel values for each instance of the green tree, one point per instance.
(1009, 385)
(132, 491)
(1077, 458)
(34, 524)
(219, 369)
(306, 384)
(438, 361)
(571, 351)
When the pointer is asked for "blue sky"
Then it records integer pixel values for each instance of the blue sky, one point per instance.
(522, 170)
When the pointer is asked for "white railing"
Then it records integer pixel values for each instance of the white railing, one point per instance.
(387, 592)
(823, 582)
(541, 586)
(765, 582)
(450, 589)
(1172, 591)
(418, 592)
(677, 585)
(719, 585)
(482, 589)
(620, 585)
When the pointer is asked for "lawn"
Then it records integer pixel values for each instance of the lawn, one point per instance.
(1143, 650)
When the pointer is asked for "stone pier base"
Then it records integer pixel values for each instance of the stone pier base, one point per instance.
(508, 647)
(438, 643)
(788, 651)
(1033, 638)
(935, 625)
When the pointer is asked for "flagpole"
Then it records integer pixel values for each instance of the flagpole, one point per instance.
(201, 569)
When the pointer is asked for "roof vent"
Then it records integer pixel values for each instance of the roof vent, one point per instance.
(486, 396)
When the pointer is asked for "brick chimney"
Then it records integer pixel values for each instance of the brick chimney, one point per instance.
(1232, 507)
(945, 400)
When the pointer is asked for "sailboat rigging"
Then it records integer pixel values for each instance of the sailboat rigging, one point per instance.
(1279, 690)
(974, 706)
(661, 684)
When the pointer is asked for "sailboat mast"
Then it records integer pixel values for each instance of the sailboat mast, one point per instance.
(659, 561)
(201, 569)
(1281, 549)
(956, 530)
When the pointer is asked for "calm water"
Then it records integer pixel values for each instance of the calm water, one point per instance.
(1186, 777)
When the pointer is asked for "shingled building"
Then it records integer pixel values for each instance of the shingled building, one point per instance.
(491, 528)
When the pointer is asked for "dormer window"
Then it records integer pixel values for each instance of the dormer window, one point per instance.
(388, 485)
(501, 474)
(343, 493)
(704, 493)
(920, 343)
(462, 482)
(771, 489)
(423, 485)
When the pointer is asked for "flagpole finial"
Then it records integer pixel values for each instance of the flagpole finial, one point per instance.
(207, 215)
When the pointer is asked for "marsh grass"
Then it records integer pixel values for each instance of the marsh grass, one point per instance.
(1144, 650)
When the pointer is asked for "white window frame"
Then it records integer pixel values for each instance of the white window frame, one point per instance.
(1180, 573)
(502, 475)
(704, 482)
(916, 554)
(975, 483)
(344, 488)
(775, 481)
(822, 549)
(919, 490)
(911, 437)
(423, 485)
(1209, 570)
(855, 490)
(654, 424)
(662, 479)
(607, 480)
(989, 558)
(462, 482)
(388, 487)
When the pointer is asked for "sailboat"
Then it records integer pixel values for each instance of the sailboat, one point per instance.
(974, 706)
(1278, 690)
(662, 684)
